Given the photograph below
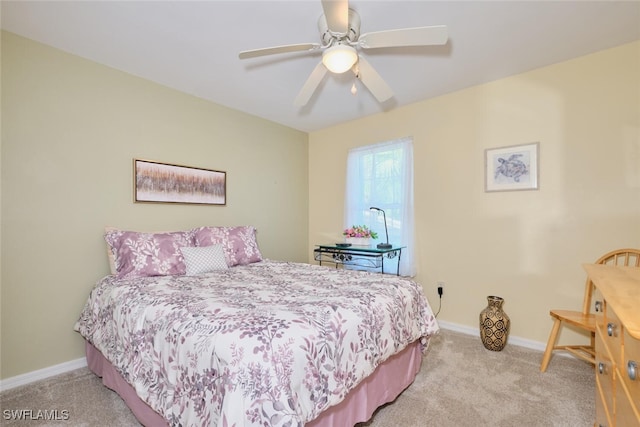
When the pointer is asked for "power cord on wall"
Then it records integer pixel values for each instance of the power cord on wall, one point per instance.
(440, 291)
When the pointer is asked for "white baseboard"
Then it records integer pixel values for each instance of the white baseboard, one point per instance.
(51, 371)
(521, 342)
(42, 374)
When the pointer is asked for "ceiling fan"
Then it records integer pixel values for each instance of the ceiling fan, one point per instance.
(340, 40)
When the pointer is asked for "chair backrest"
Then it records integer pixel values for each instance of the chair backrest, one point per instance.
(619, 257)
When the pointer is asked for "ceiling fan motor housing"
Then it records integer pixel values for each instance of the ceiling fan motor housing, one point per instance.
(328, 37)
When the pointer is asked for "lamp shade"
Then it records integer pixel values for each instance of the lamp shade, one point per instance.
(339, 58)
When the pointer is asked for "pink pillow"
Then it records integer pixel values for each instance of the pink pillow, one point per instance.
(148, 254)
(239, 243)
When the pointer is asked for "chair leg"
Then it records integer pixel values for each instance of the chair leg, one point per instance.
(553, 336)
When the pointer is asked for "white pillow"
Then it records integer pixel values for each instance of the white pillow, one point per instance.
(203, 259)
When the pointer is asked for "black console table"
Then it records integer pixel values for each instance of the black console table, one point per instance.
(360, 256)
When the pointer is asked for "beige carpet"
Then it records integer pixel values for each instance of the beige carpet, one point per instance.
(460, 384)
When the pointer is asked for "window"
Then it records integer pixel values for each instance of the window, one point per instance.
(381, 175)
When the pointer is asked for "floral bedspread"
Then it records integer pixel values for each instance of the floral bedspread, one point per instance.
(270, 343)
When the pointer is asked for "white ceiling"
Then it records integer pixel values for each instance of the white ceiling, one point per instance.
(193, 46)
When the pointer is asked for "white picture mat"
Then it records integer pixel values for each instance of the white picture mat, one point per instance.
(512, 168)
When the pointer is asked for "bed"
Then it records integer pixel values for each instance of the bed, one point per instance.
(251, 343)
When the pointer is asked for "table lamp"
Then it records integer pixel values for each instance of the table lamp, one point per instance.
(383, 245)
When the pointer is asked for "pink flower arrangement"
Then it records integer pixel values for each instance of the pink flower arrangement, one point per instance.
(359, 231)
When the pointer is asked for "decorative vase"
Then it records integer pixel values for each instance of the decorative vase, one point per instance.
(494, 325)
(358, 241)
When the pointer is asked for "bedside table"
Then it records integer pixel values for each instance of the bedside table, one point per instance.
(369, 257)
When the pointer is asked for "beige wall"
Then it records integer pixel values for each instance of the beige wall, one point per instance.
(70, 129)
(525, 246)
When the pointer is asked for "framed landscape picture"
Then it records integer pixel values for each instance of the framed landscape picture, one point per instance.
(512, 168)
(156, 182)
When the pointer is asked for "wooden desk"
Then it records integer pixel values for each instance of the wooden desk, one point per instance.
(617, 344)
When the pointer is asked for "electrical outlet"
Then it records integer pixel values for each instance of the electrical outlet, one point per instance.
(440, 288)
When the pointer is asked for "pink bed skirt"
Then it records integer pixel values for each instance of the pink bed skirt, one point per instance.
(383, 386)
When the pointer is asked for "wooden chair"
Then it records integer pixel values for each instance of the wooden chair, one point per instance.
(585, 319)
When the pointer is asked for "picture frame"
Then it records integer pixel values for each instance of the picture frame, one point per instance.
(512, 168)
(157, 182)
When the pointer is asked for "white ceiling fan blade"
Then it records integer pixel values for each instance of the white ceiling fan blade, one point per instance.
(372, 80)
(419, 36)
(278, 49)
(310, 85)
(337, 14)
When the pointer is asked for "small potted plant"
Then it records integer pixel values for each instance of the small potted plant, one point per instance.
(359, 235)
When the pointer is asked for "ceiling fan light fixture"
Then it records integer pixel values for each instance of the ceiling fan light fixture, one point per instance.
(339, 58)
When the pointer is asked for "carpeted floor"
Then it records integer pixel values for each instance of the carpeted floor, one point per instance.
(460, 384)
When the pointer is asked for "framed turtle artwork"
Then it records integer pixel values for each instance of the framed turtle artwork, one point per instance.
(511, 168)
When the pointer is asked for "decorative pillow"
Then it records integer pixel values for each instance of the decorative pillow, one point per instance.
(204, 259)
(148, 254)
(239, 243)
